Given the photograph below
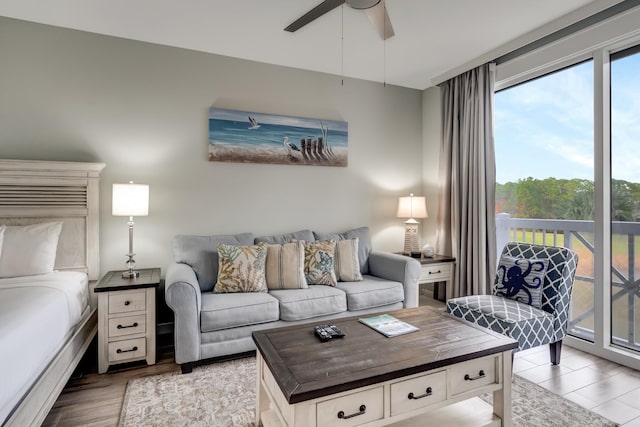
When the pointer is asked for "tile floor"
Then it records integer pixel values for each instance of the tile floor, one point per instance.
(604, 387)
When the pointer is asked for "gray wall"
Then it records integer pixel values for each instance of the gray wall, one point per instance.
(142, 109)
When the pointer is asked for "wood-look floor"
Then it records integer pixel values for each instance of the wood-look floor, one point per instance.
(92, 399)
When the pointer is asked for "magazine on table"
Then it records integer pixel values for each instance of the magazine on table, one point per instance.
(388, 325)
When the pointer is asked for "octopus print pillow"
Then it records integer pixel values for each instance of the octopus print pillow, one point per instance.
(521, 279)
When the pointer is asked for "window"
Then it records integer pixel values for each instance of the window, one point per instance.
(625, 198)
(545, 172)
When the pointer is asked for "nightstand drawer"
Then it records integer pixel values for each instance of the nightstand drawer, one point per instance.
(435, 272)
(127, 349)
(126, 301)
(127, 325)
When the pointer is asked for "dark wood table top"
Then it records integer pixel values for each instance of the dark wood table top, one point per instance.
(306, 368)
(113, 280)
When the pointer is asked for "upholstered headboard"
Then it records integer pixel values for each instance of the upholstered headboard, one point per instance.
(34, 191)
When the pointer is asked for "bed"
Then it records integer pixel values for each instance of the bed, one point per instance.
(48, 319)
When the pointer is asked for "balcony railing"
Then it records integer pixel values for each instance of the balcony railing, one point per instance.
(578, 235)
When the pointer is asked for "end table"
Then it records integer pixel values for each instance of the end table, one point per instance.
(127, 318)
(438, 268)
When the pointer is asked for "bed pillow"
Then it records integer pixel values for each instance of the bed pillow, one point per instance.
(285, 266)
(241, 268)
(318, 262)
(347, 265)
(2, 227)
(521, 279)
(29, 249)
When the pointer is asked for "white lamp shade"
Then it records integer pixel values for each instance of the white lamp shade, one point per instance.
(130, 200)
(412, 207)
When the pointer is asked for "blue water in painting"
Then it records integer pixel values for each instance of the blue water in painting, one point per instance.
(227, 132)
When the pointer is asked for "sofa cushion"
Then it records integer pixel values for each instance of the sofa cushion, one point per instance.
(371, 292)
(318, 262)
(222, 311)
(364, 243)
(201, 254)
(241, 268)
(316, 300)
(346, 262)
(285, 266)
(306, 235)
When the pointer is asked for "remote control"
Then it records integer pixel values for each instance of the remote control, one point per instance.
(333, 331)
(322, 335)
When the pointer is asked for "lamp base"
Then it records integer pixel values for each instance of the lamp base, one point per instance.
(130, 274)
(415, 254)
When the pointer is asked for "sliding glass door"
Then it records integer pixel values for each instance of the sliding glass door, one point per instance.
(625, 198)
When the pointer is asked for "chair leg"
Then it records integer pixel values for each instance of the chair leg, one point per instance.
(555, 348)
(187, 368)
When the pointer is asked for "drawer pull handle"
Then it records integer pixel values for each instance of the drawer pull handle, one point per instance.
(480, 375)
(127, 302)
(135, 324)
(428, 393)
(342, 416)
(135, 348)
(435, 272)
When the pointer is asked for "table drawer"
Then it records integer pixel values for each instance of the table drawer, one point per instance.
(418, 392)
(435, 272)
(467, 376)
(353, 409)
(127, 349)
(121, 326)
(126, 301)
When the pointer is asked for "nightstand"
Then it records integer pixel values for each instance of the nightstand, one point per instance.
(438, 268)
(127, 318)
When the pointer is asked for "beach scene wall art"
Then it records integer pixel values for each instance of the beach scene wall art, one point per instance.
(246, 137)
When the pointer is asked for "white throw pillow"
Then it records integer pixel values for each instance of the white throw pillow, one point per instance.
(29, 249)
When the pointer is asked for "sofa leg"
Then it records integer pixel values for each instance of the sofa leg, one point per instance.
(555, 348)
(187, 368)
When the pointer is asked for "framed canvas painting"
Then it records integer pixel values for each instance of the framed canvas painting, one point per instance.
(246, 137)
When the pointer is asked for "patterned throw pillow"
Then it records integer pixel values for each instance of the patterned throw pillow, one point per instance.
(241, 268)
(347, 265)
(285, 266)
(318, 262)
(521, 279)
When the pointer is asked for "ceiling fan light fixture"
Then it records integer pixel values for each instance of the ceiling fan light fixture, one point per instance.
(362, 4)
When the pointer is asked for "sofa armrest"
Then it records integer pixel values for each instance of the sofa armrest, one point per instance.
(183, 296)
(399, 268)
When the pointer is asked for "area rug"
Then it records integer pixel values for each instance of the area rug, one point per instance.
(223, 395)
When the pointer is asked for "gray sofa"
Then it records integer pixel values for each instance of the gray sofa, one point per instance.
(209, 325)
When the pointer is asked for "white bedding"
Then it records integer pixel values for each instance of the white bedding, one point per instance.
(37, 315)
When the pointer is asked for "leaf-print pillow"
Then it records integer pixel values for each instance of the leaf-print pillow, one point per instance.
(318, 262)
(241, 268)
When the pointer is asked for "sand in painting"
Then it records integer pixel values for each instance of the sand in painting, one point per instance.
(274, 155)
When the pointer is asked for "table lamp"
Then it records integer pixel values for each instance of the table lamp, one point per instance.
(412, 207)
(130, 200)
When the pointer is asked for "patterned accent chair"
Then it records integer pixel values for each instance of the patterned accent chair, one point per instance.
(528, 325)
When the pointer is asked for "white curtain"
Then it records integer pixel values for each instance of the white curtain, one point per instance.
(466, 217)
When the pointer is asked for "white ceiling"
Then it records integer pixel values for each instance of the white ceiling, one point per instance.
(433, 38)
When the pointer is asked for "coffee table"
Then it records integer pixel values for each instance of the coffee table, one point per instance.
(428, 377)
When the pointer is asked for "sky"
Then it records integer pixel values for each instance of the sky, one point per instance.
(544, 128)
(302, 122)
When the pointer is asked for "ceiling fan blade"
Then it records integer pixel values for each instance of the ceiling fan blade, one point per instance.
(313, 14)
(380, 19)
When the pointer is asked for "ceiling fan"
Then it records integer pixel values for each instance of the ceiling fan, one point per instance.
(375, 10)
